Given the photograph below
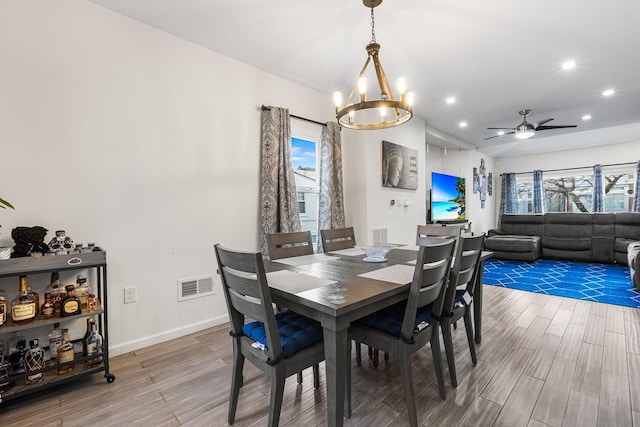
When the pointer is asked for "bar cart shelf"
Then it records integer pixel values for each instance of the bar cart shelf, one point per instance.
(95, 259)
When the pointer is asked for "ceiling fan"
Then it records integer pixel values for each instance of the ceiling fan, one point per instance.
(526, 130)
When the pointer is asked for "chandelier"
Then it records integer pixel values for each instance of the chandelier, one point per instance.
(379, 113)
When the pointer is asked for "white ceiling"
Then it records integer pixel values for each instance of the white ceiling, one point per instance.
(495, 57)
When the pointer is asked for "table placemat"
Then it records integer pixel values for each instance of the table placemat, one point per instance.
(306, 259)
(290, 281)
(349, 252)
(399, 273)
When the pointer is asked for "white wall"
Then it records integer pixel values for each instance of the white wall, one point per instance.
(366, 200)
(461, 163)
(138, 141)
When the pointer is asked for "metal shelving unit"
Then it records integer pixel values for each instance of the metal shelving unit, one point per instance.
(14, 267)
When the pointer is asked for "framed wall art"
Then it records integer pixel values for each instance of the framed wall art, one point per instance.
(399, 166)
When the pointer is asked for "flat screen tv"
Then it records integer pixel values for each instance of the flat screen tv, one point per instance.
(447, 198)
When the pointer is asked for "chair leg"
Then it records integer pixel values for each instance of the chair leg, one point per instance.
(386, 357)
(376, 354)
(358, 353)
(277, 392)
(316, 376)
(437, 361)
(448, 346)
(236, 383)
(347, 403)
(468, 325)
(407, 382)
(300, 377)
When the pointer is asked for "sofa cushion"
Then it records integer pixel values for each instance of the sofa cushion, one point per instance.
(628, 225)
(513, 243)
(577, 244)
(522, 224)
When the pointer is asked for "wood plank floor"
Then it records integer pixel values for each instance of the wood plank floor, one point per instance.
(544, 361)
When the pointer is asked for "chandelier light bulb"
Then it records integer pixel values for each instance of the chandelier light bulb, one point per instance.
(337, 98)
(402, 86)
(383, 114)
(410, 98)
(362, 88)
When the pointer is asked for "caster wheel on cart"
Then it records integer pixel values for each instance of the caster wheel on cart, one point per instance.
(110, 377)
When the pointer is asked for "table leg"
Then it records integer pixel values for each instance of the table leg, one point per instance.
(335, 349)
(477, 304)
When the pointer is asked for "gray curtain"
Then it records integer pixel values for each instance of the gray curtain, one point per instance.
(538, 191)
(278, 198)
(598, 189)
(636, 189)
(331, 206)
(509, 198)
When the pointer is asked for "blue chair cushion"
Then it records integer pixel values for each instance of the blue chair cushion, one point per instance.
(296, 332)
(390, 319)
(459, 298)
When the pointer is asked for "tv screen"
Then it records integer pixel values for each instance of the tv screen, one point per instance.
(447, 198)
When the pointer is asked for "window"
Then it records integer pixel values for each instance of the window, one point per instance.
(572, 191)
(305, 140)
(302, 207)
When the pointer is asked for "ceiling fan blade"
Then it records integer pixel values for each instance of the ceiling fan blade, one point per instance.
(555, 127)
(500, 128)
(543, 122)
(495, 136)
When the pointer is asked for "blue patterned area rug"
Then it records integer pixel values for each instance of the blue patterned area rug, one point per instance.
(607, 283)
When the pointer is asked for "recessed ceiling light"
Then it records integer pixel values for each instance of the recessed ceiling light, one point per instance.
(608, 92)
(451, 100)
(500, 132)
(586, 117)
(463, 124)
(568, 65)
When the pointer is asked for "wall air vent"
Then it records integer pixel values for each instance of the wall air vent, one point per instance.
(379, 235)
(195, 287)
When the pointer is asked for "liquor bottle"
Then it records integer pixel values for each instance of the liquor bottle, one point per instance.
(23, 307)
(12, 344)
(82, 290)
(16, 358)
(4, 309)
(47, 310)
(4, 369)
(90, 323)
(70, 304)
(36, 297)
(55, 340)
(65, 354)
(57, 291)
(34, 361)
(92, 303)
(4, 376)
(94, 347)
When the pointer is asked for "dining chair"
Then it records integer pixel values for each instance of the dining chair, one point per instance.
(436, 230)
(336, 239)
(459, 297)
(280, 344)
(406, 327)
(287, 245)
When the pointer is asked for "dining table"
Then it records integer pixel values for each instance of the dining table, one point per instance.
(339, 288)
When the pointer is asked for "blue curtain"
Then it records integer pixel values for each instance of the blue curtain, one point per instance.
(509, 198)
(598, 189)
(636, 190)
(538, 191)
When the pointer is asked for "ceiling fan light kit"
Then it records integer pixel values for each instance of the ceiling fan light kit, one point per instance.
(526, 130)
(387, 111)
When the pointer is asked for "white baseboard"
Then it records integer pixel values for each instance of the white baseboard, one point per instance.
(118, 349)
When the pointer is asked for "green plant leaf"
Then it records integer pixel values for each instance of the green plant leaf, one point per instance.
(4, 204)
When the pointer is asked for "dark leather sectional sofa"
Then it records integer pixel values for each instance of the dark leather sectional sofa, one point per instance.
(590, 237)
